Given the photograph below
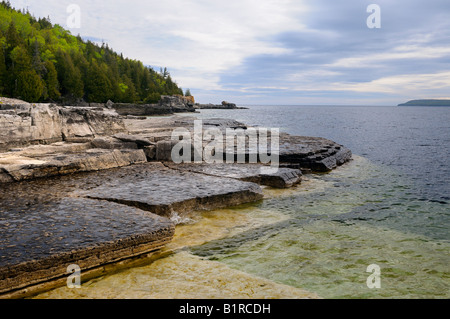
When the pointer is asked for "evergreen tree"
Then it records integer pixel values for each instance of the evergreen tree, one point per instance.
(38, 56)
(51, 81)
(20, 59)
(29, 86)
(153, 98)
(129, 91)
(13, 38)
(69, 76)
(98, 86)
(2, 70)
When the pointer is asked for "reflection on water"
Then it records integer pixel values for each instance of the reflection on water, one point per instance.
(319, 236)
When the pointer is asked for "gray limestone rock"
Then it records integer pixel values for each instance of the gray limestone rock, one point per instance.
(38, 246)
(163, 191)
(256, 173)
(23, 125)
(21, 168)
(140, 141)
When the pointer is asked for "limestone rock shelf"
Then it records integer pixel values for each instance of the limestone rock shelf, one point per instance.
(163, 191)
(40, 240)
(89, 187)
(97, 218)
(282, 178)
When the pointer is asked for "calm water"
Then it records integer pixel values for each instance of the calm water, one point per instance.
(415, 141)
(389, 207)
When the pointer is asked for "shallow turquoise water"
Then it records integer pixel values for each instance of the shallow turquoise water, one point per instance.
(337, 226)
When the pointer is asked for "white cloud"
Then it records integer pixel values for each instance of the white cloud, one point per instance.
(212, 36)
(408, 84)
(200, 41)
(398, 53)
(205, 38)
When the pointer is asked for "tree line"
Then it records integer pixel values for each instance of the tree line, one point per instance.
(42, 62)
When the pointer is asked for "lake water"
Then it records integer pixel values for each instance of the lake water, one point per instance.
(388, 207)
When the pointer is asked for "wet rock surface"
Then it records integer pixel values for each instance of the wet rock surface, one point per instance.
(35, 229)
(44, 230)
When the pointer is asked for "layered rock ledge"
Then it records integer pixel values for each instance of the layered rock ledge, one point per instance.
(87, 186)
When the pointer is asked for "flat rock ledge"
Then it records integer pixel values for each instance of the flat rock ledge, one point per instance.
(17, 167)
(42, 256)
(255, 173)
(165, 191)
(99, 218)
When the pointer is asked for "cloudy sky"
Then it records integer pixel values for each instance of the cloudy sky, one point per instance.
(277, 51)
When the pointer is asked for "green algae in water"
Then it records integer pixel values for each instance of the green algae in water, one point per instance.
(339, 224)
(331, 259)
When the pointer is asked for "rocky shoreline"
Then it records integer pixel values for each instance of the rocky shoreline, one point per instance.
(88, 186)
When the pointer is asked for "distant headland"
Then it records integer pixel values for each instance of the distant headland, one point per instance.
(432, 102)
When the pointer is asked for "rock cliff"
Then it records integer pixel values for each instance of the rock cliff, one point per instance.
(25, 124)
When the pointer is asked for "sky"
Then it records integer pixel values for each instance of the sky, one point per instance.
(280, 52)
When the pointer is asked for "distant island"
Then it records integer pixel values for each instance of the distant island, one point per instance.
(433, 102)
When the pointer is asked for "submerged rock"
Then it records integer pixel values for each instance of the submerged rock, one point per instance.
(37, 247)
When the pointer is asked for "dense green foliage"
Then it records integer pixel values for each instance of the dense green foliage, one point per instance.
(44, 62)
(426, 103)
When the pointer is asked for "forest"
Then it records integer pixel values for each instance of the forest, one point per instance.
(43, 62)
